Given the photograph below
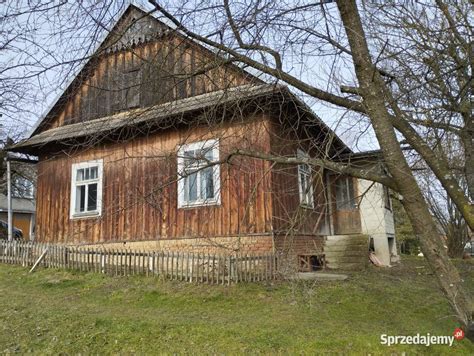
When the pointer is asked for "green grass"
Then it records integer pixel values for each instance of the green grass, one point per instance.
(54, 311)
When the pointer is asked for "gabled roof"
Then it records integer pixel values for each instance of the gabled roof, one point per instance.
(70, 84)
(169, 114)
(112, 39)
(154, 115)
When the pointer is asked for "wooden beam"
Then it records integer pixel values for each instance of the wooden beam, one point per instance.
(39, 259)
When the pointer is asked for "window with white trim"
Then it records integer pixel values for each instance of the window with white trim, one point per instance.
(86, 189)
(199, 176)
(305, 182)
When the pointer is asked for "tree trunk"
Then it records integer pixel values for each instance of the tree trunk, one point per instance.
(467, 139)
(372, 88)
(456, 231)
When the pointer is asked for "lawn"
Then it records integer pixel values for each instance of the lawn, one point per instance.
(55, 311)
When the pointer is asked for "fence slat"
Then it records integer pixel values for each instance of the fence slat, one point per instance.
(201, 267)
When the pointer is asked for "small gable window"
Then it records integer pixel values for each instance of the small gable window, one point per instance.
(305, 182)
(86, 189)
(198, 174)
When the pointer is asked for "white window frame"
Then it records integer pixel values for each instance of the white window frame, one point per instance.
(214, 143)
(309, 193)
(99, 180)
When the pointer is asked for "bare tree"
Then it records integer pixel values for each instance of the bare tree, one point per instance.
(450, 221)
(428, 52)
(285, 40)
(42, 43)
(250, 35)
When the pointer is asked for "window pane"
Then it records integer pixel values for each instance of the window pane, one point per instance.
(190, 187)
(304, 178)
(22, 188)
(80, 175)
(341, 194)
(304, 168)
(189, 154)
(93, 173)
(207, 183)
(303, 183)
(305, 188)
(87, 173)
(208, 154)
(351, 197)
(80, 198)
(92, 197)
(345, 199)
(189, 158)
(29, 189)
(306, 191)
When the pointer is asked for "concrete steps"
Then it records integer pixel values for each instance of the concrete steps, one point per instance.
(347, 252)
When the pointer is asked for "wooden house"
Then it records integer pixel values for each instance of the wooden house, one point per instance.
(144, 149)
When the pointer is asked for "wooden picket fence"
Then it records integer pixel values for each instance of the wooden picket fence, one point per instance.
(192, 267)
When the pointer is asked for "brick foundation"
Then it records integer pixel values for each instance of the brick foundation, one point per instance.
(290, 247)
(260, 244)
(299, 244)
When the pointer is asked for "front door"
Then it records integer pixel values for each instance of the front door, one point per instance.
(345, 208)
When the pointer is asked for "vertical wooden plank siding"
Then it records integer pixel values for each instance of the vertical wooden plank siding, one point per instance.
(169, 68)
(140, 190)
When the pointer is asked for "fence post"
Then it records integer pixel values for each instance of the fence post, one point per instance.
(229, 270)
(232, 276)
(102, 262)
(66, 257)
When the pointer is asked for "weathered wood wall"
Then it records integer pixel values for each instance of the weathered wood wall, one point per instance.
(289, 217)
(137, 70)
(140, 189)
(141, 68)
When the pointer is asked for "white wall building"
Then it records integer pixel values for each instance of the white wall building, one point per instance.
(377, 221)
